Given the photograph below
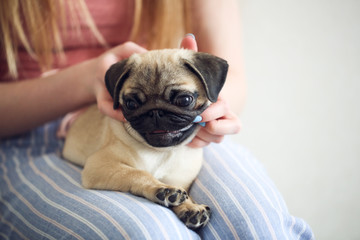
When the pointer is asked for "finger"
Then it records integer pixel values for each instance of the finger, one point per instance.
(215, 111)
(224, 126)
(206, 136)
(116, 54)
(126, 50)
(189, 42)
(107, 60)
(106, 106)
(198, 143)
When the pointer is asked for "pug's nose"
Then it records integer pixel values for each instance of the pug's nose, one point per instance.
(156, 113)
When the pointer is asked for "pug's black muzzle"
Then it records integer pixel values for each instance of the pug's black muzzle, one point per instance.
(162, 128)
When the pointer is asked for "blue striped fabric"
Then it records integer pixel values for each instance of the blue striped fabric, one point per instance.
(41, 198)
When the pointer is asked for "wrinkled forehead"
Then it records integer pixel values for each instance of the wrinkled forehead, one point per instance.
(152, 82)
(157, 75)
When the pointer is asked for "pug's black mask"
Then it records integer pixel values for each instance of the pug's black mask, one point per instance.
(161, 92)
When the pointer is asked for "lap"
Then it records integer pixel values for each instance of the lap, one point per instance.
(245, 202)
(42, 197)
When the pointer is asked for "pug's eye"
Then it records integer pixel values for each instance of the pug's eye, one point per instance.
(184, 101)
(131, 104)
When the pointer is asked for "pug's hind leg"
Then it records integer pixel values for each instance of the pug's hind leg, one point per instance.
(104, 170)
(193, 215)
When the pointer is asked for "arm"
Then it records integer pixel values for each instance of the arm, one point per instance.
(30, 103)
(217, 31)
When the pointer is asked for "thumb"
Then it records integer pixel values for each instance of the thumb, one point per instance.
(126, 50)
(189, 42)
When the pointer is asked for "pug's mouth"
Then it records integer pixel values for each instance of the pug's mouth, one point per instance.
(167, 138)
(172, 132)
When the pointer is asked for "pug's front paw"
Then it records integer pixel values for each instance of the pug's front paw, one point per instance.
(171, 196)
(193, 215)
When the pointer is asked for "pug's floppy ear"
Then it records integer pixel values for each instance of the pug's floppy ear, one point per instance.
(211, 70)
(115, 78)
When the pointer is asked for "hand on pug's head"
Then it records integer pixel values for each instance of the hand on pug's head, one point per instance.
(104, 100)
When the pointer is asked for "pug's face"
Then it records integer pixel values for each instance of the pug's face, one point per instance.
(161, 92)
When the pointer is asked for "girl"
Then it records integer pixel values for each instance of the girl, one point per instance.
(54, 55)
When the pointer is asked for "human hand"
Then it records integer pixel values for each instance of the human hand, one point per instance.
(104, 100)
(219, 121)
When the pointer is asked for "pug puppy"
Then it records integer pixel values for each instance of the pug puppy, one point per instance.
(160, 93)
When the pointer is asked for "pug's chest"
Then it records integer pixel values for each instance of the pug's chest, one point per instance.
(177, 167)
(159, 164)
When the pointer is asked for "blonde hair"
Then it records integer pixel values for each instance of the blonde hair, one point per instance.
(160, 23)
(37, 24)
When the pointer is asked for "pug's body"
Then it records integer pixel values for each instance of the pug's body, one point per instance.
(175, 166)
(160, 93)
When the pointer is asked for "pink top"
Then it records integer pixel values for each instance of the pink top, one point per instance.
(114, 21)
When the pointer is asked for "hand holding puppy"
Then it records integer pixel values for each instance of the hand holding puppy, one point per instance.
(218, 119)
(103, 98)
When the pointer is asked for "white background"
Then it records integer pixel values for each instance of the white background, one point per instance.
(302, 117)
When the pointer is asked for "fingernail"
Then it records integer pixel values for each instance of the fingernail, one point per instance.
(202, 124)
(190, 35)
(197, 119)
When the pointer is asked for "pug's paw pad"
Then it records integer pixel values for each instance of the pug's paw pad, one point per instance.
(196, 216)
(170, 197)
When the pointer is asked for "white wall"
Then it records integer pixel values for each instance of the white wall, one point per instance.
(302, 118)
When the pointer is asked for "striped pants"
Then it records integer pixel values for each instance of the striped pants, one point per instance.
(41, 198)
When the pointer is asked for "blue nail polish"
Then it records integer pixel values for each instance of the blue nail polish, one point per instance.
(191, 35)
(197, 119)
(202, 124)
